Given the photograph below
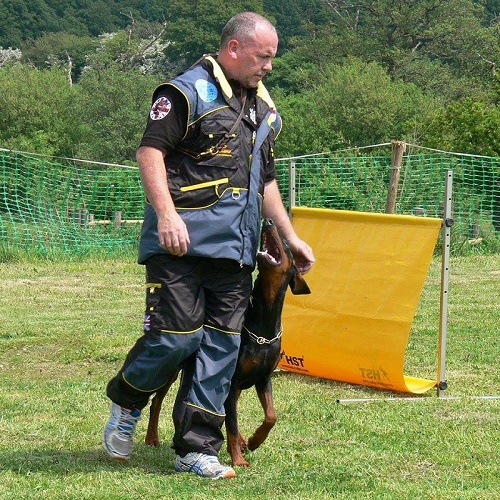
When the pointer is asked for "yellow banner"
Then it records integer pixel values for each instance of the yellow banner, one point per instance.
(365, 287)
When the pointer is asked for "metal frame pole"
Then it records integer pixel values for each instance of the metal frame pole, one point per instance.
(442, 384)
(291, 187)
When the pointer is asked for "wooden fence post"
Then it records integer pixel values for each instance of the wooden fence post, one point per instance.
(118, 219)
(398, 148)
(80, 217)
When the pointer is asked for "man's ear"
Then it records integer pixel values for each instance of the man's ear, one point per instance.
(232, 48)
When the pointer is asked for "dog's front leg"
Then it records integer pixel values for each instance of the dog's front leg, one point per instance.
(265, 394)
(154, 413)
(235, 441)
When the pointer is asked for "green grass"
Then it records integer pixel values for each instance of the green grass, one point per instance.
(65, 328)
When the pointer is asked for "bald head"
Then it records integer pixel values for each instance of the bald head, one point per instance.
(243, 26)
(249, 42)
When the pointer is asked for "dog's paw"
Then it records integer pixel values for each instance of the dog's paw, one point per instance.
(240, 462)
(253, 443)
(242, 444)
(152, 442)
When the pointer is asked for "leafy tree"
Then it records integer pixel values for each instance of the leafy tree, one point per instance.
(21, 20)
(37, 111)
(9, 56)
(440, 45)
(472, 126)
(112, 107)
(492, 8)
(126, 50)
(347, 73)
(61, 50)
(469, 126)
(203, 21)
(354, 104)
(368, 105)
(305, 129)
(296, 18)
(299, 67)
(407, 35)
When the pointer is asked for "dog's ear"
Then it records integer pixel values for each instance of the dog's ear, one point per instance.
(298, 284)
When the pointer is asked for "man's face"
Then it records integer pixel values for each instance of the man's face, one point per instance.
(254, 57)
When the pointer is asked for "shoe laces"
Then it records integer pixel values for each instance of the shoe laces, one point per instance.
(127, 422)
(208, 463)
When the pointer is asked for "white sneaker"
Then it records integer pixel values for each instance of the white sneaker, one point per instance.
(118, 436)
(203, 465)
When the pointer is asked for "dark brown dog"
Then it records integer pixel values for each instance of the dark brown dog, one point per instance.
(260, 348)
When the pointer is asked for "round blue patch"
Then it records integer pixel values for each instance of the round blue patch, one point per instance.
(206, 90)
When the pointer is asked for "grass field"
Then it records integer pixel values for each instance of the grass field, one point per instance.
(65, 328)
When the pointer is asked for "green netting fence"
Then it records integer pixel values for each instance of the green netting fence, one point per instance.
(73, 206)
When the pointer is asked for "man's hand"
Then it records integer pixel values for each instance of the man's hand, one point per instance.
(273, 208)
(302, 254)
(173, 233)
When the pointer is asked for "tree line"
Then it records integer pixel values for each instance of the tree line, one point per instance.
(76, 76)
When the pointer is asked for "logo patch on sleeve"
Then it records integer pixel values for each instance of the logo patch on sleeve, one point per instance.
(160, 108)
(206, 90)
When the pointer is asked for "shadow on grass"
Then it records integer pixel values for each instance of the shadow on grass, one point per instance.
(156, 461)
(351, 390)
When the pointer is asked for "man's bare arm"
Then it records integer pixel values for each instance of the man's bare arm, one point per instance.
(172, 231)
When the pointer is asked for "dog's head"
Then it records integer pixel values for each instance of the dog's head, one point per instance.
(275, 261)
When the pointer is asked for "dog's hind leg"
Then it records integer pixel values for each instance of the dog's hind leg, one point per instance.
(236, 444)
(265, 394)
(154, 413)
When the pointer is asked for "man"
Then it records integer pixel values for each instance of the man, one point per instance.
(207, 168)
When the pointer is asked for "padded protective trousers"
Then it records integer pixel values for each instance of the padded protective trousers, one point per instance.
(194, 313)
